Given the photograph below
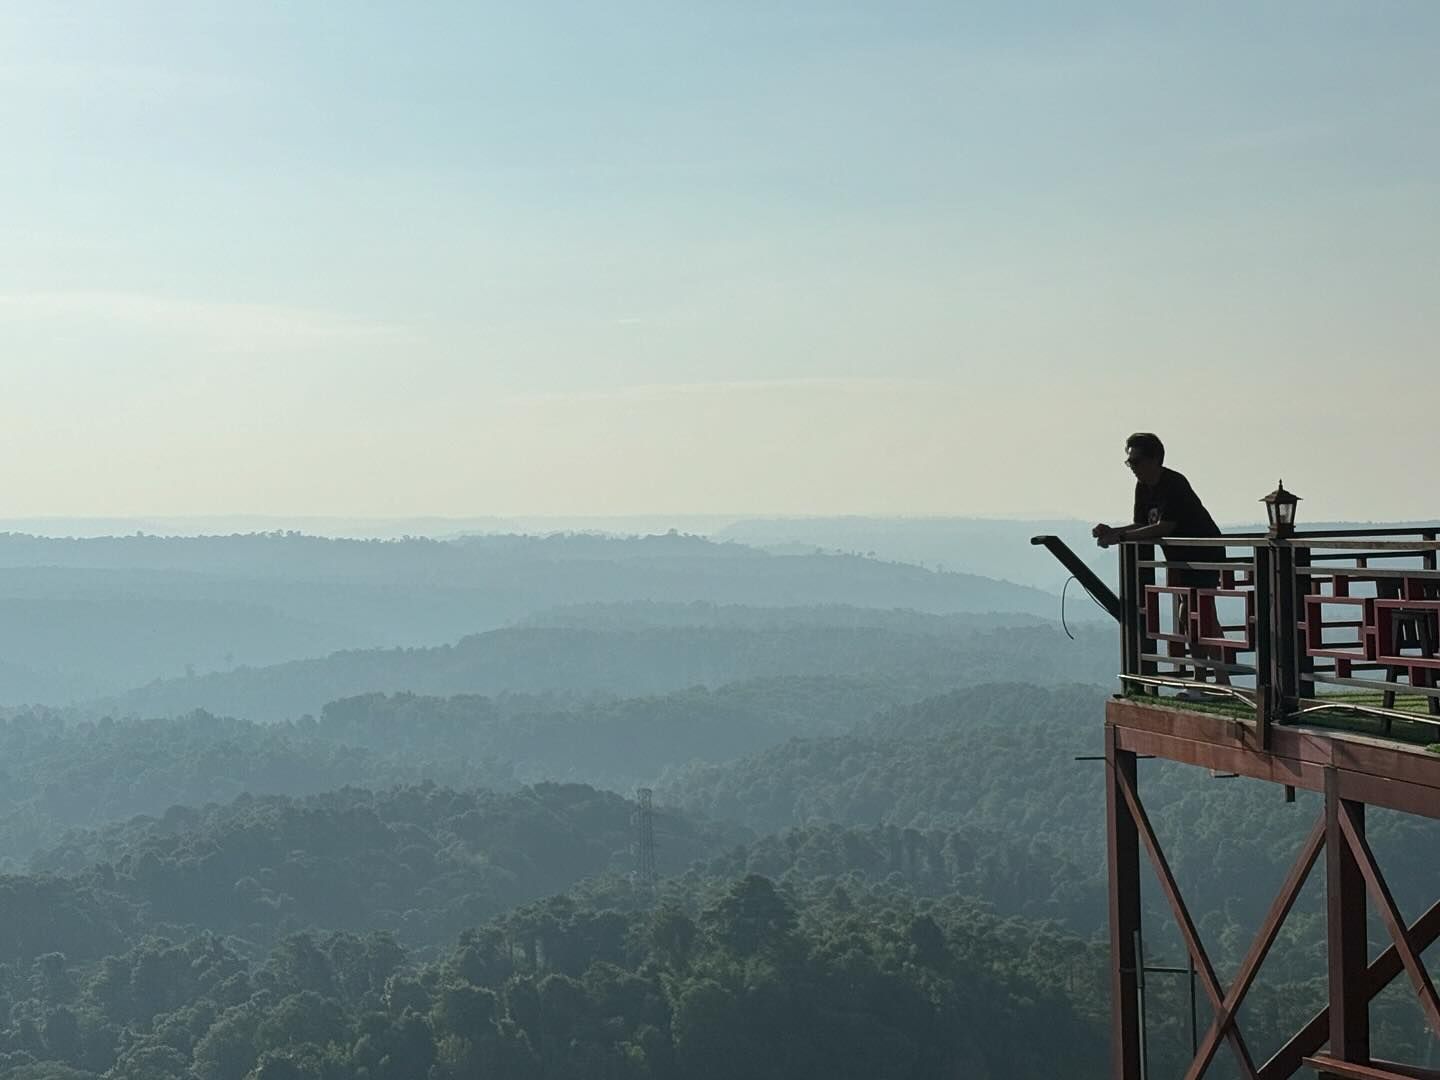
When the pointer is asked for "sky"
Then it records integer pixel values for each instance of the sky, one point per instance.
(378, 259)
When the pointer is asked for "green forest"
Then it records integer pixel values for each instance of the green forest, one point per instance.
(878, 853)
(642, 541)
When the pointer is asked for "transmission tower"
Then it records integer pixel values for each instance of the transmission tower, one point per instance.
(643, 820)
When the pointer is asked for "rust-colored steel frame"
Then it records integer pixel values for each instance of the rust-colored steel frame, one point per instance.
(1351, 772)
(1332, 1067)
(1371, 771)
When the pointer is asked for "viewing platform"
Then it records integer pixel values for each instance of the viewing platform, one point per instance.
(1308, 660)
(1331, 646)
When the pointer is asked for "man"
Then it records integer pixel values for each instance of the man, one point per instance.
(1166, 505)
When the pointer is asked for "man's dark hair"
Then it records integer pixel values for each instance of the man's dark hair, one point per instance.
(1147, 446)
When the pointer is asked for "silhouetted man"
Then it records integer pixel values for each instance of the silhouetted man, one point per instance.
(1166, 505)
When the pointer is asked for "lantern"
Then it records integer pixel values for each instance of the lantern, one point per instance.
(1280, 509)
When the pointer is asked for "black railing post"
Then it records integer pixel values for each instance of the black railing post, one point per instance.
(1284, 631)
(1129, 613)
(1428, 561)
(1265, 705)
(1144, 575)
(1305, 663)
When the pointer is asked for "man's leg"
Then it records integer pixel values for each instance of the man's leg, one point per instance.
(1179, 650)
(1210, 628)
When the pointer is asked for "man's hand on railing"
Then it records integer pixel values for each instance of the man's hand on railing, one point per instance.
(1107, 536)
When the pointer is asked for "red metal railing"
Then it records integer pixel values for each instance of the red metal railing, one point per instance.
(1290, 621)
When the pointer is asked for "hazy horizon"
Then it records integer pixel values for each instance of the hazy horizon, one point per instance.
(434, 526)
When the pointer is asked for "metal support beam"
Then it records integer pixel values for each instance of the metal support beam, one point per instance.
(1330, 1068)
(1123, 844)
(1345, 919)
(1397, 777)
(1203, 968)
(1390, 914)
(1309, 1039)
(1082, 573)
(1250, 967)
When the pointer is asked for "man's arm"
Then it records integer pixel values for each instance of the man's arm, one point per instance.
(1106, 536)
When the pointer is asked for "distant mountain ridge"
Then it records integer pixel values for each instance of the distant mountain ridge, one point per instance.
(92, 617)
(994, 547)
(631, 663)
(643, 614)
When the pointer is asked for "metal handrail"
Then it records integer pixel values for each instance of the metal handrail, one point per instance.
(1186, 684)
(1395, 638)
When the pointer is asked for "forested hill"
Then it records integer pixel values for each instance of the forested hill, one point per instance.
(57, 775)
(968, 810)
(723, 979)
(85, 618)
(638, 662)
(1000, 761)
(995, 755)
(426, 861)
(57, 771)
(422, 861)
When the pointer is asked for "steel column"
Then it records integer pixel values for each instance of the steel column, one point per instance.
(1285, 626)
(1144, 575)
(1301, 569)
(1346, 909)
(1267, 702)
(1123, 844)
(1129, 613)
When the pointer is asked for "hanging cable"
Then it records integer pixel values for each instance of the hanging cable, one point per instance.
(1065, 589)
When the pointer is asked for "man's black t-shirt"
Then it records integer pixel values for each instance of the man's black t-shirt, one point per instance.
(1173, 499)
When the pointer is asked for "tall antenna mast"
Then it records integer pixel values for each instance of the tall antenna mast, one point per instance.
(643, 820)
